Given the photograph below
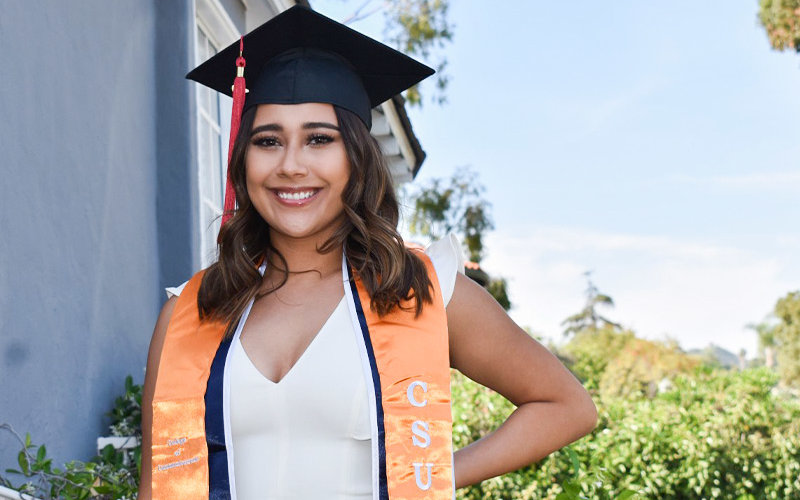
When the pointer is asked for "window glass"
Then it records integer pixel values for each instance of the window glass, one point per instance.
(212, 154)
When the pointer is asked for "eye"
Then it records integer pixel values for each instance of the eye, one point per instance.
(265, 141)
(320, 139)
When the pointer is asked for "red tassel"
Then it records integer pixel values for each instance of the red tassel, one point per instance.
(239, 91)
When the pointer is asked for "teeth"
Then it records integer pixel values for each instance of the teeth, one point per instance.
(295, 196)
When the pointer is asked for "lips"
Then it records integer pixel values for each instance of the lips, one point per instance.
(296, 196)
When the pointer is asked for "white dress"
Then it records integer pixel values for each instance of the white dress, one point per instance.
(308, 436)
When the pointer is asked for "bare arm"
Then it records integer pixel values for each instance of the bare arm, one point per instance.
(553, 409)
(153, 357)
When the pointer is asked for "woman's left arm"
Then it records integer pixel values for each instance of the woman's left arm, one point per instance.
(553, 409)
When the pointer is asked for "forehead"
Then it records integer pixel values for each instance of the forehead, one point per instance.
(295, 114)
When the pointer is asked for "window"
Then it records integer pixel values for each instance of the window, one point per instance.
(213, 128)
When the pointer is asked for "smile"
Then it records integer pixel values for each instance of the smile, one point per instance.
(296, 196)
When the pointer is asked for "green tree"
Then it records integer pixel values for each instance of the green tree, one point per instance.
(457, 205)
(787, 336)
(767, 342)
(641, 366)
(419, 28)
(453, 205)
(422, 28)
(781, 19)
(589, 352)
(588, 319)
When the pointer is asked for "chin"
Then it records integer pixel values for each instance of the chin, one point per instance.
(302, 233)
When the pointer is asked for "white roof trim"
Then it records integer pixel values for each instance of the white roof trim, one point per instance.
(218, 23)
(399, 133)
(282, 4)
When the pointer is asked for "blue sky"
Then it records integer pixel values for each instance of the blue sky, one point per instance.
(654, 143)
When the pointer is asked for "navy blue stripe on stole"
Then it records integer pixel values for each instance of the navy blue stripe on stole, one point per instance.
(218, 485)
(383, 488)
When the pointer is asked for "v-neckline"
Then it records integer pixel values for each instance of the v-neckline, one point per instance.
(302, 355)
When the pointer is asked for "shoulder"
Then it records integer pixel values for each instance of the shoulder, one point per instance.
(447, 260)
(163, 319)
(175, 291)
(179, 297)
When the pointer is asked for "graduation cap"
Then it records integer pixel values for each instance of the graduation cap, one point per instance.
(302, 56)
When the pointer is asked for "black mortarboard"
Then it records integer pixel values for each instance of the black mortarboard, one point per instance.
(302, 56)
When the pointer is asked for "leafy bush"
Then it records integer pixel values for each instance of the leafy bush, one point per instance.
(715, 434)
(590, 351)
(113, 474)
(614, 362)
(477, 411)
(787, 337)
(640, 366)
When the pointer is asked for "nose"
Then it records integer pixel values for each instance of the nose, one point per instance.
(292, 164)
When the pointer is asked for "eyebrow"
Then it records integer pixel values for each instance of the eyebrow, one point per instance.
(310, 125)
(274, 127)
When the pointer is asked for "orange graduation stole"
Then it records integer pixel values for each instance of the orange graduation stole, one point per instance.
(405, 357)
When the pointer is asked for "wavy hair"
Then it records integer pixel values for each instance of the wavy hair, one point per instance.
(391, 273)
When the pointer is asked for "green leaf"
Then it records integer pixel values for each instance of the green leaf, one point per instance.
(41, 454)
(571, 488)
(626, 494)
(103, 489)
(573, 457)
(22, 459)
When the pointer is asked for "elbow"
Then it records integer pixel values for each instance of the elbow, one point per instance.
(586, 415)
(581, 413)
(591, 416)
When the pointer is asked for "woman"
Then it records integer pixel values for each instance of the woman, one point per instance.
(318, 347)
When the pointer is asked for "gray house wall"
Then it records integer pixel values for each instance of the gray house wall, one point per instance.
(175, 142)
(96, 205)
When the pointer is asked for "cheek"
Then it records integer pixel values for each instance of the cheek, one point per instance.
(254, 179)
(341, 184)
(249, 177)
(250, 184)
(341, 169)
(255, 171)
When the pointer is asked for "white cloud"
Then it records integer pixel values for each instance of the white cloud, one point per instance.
(693, 291)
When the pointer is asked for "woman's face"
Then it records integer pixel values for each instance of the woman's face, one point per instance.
(297, 169)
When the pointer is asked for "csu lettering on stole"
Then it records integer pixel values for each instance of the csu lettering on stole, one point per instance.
(420, 437)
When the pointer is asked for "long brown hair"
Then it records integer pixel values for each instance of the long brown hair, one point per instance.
(389, 271)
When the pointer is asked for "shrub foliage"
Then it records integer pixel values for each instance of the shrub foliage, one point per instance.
(713, 434)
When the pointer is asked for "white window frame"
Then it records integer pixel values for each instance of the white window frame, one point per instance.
(211, 19)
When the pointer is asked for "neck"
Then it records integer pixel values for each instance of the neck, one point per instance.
(302, 256)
